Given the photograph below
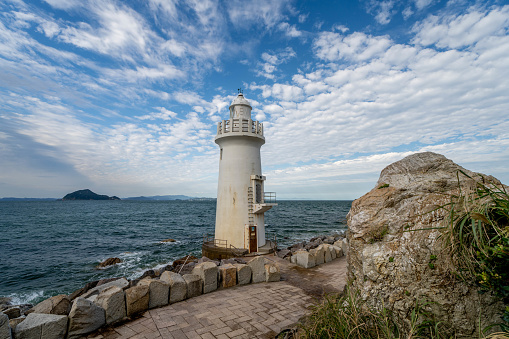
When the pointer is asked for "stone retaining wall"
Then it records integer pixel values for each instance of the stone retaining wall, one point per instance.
(61, 317)
(323, 253)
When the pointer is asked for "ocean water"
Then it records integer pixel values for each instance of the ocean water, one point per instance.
(52, 247)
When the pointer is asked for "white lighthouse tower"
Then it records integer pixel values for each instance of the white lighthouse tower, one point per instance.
(241, 199)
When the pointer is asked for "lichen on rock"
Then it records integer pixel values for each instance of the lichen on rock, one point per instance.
(397, 256)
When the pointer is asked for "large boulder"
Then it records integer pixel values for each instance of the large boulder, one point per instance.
(42, 326)
(121, 282)
(84, 317)
(304, 259)
(272, 273)
(112, 300)
(159, 292)
(178, 286)
(228, 274)
(59, 304)
(257, 265)
(194, 285)
(392, 237)
(319, 254)
(136, 299)
(5, 329)
(243, 274)
(207, 270)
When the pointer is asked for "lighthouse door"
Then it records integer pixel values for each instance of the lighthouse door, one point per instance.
(253, 241)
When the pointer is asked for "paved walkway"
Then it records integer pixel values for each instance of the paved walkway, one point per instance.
(250, 311)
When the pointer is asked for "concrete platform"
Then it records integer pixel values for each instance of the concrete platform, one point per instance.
(250, 311)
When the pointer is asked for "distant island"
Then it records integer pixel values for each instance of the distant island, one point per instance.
(87, 194)
(167, 197)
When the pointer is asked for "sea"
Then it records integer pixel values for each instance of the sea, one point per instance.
(53, 247)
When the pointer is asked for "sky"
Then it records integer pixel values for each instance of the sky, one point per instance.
(123, 97)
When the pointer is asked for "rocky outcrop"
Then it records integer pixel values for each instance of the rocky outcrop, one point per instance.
(59, 304)
(109, 262)
(42, 326)
(84, 317)
(396, 256)
(87, 194)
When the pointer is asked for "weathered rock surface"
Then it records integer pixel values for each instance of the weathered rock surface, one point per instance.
(59, 304)
(228, 275)
(43, 326)
(159, 292)
(112, 300)
(5, 329)
(208, 272)
(272, 273)
(319, 254)
(178, 286)
(304, 259)
(13, 312)
(390, 266)
(243, 274)
(109, 262)
(194, 285)
(84, 317)
(136, 299)
(121, 283)
(257, 266)
(15, 322)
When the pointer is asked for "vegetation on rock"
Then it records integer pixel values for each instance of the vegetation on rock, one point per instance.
(87, 194)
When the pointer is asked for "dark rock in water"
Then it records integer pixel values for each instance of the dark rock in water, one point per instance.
(166, 268)
(185, 260)
(87, 194)
(313, 244)
(109, 262)
(168, 240)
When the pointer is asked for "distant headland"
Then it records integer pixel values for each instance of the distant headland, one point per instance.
(87, 194)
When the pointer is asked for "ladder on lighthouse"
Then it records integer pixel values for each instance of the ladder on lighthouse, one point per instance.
(250, 207)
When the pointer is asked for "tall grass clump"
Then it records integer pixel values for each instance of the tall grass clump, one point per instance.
(478, 235)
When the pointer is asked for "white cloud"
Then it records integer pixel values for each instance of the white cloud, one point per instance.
(356, 46)
(464, 30)
(383, 10)
(289, 30)
(265, 12)
(269, 67)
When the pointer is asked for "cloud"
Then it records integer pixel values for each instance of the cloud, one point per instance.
(267, 12)
(289, 30)
(268, 67)
(356, 46)
(382, 10)
(452, 31)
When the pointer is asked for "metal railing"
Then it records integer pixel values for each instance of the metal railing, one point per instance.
(269, 197)
(239, 125)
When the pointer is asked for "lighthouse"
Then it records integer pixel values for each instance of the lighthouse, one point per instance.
(241, 198)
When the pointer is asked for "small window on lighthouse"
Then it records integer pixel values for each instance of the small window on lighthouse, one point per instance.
(221, 154)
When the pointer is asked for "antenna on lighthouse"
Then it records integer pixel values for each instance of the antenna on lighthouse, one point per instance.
(240, 90)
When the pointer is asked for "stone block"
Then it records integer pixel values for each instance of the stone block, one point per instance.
(228, 275)
(243, 274)
(344, 246)
(136, 299)
(304, 259)
(13, 312)
(15, 322)
(42, 326)
(327, 253)
(178, 286)
(338, 250)
(59, 304)
(112, 300)
(319, 254)
(257, 265)
(332, 252)
(122, 283)
(293, 258)
(84, 317)
(5, 329)
(208, 273)
(194, 285)
(272, 273)
(159, 292)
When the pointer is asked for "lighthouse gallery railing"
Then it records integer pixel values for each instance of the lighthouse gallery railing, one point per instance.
(240, 125)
